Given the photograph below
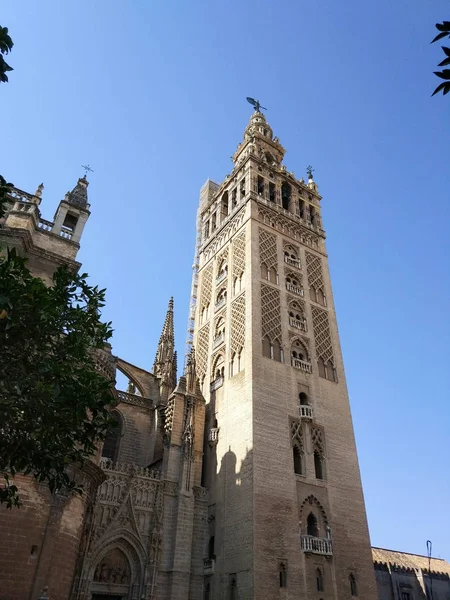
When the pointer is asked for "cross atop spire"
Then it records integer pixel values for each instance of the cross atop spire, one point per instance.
(164, 359)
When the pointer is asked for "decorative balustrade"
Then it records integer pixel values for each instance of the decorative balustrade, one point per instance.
(296, 324)
(134, 399)
(221, 276)
(302, 365)
(316, 545)
(19, 195)
(216, 384)
(218, 340)
(208, 566)
(294, 289)
(213, 436)
(292, 262)
(45, 225)
(220, 303)
(66, 233)
(306, 412)
(128, 469)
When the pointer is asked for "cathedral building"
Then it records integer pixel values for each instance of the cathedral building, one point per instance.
(238, 480)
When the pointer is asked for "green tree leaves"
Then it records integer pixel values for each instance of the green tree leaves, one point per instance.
(53, 401)
(444, 31)
(6, 45)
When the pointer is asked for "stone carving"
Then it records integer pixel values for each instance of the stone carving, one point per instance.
(205, 298)
(271, 312)
(297, 434)
(202, 347)
(238, 254)
(238, 324)
(135, 400)
(268, 249)
(318, 440)
(285, 225)
(220, 240)
(322, 336)
(314, 270)
(171, 488)
(200, 493)
(113, 568)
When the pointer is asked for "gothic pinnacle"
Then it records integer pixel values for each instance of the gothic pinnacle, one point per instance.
(166, 345)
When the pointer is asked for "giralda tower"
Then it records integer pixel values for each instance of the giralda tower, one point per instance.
(286, 515)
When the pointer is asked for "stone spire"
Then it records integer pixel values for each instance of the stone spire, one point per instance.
(259, 141)
(78, 196)
(164, 359)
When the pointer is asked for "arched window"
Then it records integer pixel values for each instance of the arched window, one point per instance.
(301, 207)
(304, 400)
(321, 366)
(312, 294)
(319, 580)
(353, 586)
(277, 351)
(233, 365)
(282, 571)
(207, 591)
(112, 440)
(321, 297)
(220, 327)
(311, 525)
(318, 465)
(298, 352)
(330, 371)
(224, 205)
(286, 192)
(237, 285)
(273, 275)
(213, 222)
(242, 187)
(272, 192)
(211, 548)
(298, 466)
(267, 347)
(260, 186)
(264, 271)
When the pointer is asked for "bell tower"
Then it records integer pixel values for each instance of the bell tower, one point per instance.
(286, 513)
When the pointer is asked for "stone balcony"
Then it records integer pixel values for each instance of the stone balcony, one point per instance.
(298, 291)
(216, 384)
(221, 276)
(296, 324)
(220, 303)
(292, 262)
(219, 339)
(213, 436)
(306, 412)
(315, 545)
(209, 565)
(302, 365)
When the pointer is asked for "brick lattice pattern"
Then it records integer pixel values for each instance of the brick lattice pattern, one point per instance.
(271, 313)
(268, 249)
(322, 336)
(206, 286)
(239, 255)
(201, 351)
(238, 324)
(314, 270)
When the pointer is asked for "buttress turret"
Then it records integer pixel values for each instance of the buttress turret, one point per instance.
(165, 364)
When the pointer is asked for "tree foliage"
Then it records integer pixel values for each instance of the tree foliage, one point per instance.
(5, 188)
(53, 401)
(444, 31)
(6, 45)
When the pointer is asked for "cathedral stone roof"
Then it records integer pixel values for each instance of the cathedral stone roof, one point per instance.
(404, 560)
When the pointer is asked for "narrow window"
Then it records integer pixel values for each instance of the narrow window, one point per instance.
(321, 298)
(321, 366)
(211, 554)
(243, 188)
(260, 186)
(282, 575)
(319, 580)
(272, 194)
(111, 443)
(353, 587)
(277, 351)
(303, 399)
(312, 294)
(273, 277)
(318, 465)
(207, 591)
(297, 461)
(234, 198)
(224, 208)
(312, 212)
(302, 208)
(264, 272)
(267, 347)
(233, 586)
(311, 525)
(285, 195)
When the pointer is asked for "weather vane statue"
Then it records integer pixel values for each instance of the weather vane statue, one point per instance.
(256, 104)
(310, 171)
(87, 169)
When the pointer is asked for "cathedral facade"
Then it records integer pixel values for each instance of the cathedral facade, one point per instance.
(238, 480)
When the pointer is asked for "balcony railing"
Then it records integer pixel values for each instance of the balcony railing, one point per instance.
(302, 365)
(218, 340)
(208, 566)
(220, 303)
(316, 545)
(306, 412)
(216, 384)
(221, 276)
(292, 261)
(213, 436)
(45, 225)
(294, 289)
(296, 324)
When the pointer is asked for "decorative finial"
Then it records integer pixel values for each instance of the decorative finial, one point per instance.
(87, 169)
(310, 171)
(256, 104)
(38, 192)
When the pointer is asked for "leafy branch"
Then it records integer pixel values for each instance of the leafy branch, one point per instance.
(6, 45)
(444, 31)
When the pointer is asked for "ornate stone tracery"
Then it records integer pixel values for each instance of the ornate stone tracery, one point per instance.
(322, 335)
(206, 293)
(271, 312)
(238, 254)
(238, 324)
(268, 249)
(314, 270)
(202, 350)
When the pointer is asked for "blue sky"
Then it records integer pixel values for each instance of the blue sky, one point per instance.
(152, 95)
